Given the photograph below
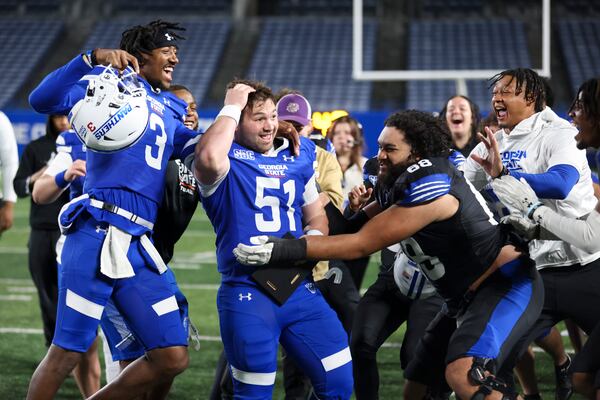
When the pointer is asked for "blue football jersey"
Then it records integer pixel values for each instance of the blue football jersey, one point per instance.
(132, 178)
(261, 195)
(68, 142)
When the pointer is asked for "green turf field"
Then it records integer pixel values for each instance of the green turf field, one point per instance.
(21, 339)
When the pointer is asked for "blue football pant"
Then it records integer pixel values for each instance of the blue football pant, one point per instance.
(252, 325)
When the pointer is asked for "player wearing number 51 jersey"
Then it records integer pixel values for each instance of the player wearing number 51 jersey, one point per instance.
(492, 291)
(253, 184)
(108, 252)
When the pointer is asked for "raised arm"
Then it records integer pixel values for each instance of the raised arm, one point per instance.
(211, 162)
(60, 90)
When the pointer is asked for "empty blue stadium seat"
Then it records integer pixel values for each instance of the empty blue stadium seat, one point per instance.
(451, 44)
(25, 41)
(314, 55)
(199, 54)
(580, 44)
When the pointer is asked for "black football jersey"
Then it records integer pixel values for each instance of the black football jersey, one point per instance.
(179, 204)
(452, 253)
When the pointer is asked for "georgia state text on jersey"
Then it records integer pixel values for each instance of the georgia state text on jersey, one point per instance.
(452, 253)
(132, 178)
(262, 194)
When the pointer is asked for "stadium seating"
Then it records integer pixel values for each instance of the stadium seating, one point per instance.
(580, 45)
(24, 41)
(329, 7)
(452, 44)
(167, 5)
(314, 56)
(199, 53)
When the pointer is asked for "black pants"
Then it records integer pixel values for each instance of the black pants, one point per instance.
(380, 313)
(44, 273)
(569, 292)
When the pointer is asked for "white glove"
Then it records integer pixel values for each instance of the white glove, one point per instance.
(524, 227)
(260, 254)
(517, 195)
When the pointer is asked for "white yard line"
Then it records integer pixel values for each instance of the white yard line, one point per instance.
(21, 289)
(15, 297)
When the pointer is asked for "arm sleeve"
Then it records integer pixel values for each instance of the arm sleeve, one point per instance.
(21, 181)
(9, 158)
(584, 234)
(556, 183)
(59, 90)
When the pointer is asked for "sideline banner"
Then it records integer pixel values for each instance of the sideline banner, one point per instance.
(29, 125)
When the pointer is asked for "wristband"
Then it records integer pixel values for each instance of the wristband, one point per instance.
(60, 180)
(532, 208)
(93, 58)
(503, 172)
(231, 111)
(285, 250)
(313, 232)
(88, 57)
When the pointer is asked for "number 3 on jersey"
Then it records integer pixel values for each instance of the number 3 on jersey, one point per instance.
(161, 141)
(273, 202)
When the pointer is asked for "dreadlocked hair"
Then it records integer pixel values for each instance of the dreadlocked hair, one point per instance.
(535, 88)
(590, 99)
(426, 134)
(261, 92)
(139, 39)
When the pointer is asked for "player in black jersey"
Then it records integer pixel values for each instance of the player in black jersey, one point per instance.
(398, 295)
(491, 289)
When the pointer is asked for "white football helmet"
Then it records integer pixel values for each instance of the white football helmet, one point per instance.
(113, 114)
(409, 278)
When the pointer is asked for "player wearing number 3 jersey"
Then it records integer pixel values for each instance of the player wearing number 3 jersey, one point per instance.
(490, 287)
(108, 252)
(251, 184)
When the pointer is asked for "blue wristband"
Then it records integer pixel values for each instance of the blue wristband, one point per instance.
(60, 180)
(532, 209)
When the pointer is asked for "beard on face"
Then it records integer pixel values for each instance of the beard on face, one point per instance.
(393, 171)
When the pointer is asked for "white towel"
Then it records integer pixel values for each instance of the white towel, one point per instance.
(113, 259)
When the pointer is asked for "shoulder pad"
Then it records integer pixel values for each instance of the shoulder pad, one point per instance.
(456, 158)
(370, 172)
(423, 181)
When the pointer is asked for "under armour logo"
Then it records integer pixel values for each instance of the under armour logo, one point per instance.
(100, 229)
(247, 297)
(169, 36)
(290, 158)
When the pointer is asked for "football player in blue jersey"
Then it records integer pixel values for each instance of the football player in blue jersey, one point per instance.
(491, 289)
(108, 253)
(252, 184)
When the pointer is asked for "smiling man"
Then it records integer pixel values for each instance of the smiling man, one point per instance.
(445, 227)
(583, 233)
(107, 253)
(538, 146)
(252, 184)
